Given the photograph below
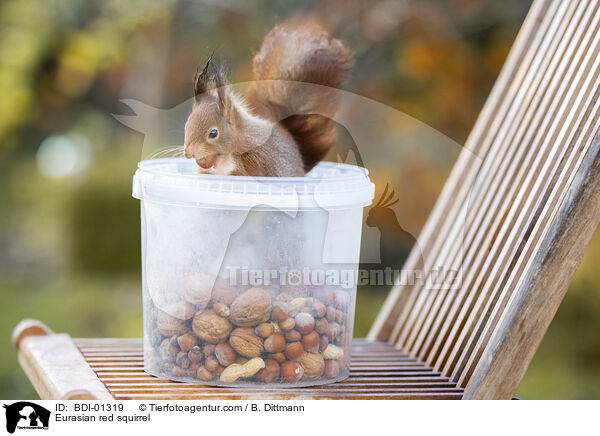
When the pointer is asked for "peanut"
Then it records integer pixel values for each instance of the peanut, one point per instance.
(248, 369)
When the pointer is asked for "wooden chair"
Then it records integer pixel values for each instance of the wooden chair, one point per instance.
(532, 197)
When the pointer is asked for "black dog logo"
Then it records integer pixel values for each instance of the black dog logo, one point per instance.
(26, 415)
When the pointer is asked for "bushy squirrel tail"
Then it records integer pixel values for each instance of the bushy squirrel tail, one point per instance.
(300, 51)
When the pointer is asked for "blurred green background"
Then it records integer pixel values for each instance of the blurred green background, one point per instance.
(69, 229)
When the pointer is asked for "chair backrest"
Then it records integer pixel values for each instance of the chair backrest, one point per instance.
(516, 213)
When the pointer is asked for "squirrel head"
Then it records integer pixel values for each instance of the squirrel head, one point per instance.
(217, 129)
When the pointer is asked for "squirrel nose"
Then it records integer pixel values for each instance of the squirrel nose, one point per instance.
(187, 152)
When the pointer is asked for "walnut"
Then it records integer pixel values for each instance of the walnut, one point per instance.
(210, 327)
(246, 343)
(251, 308)
(197, 289)
(313, 364)
(168, 325)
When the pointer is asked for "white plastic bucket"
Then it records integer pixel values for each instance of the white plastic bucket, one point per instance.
(249, 280)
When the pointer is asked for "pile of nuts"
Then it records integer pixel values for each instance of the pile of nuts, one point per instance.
(252, 336)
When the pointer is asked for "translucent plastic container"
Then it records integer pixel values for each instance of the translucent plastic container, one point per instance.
(249, 281)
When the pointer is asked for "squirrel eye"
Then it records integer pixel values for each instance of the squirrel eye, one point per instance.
(213, 133)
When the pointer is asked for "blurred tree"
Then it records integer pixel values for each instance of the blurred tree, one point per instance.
(104, 223)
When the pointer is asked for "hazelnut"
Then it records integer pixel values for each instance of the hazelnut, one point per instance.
(173, 347)
(203, 374)
(221, 309)
(280, 357)
(332, 369)
(177, 371)
(195, 354)
(168, 351)
(284, 297)
(294, 350)
(187, 342)
(291, 371)
(287, 324)
(324, 343)
(293, 335)
(275, 343)
(297, 304)
(311, 342)
(224, 354)
(313, 364)
(319, 309)
(209, 349)
(251, 308)
(305, 323)
(211, 364)
(329, 296)
(279, 313)
(182, 360)
(321, 325)
(339, 316)
(330, 314)
(264, 330)
(246, 343)
(270, 372)
(193, 369)
(210, 327)
(332, 331)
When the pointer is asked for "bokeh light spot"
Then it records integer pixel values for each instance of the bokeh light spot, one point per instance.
(64, 155)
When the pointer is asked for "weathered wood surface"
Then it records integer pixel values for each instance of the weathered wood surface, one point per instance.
(517, 205)
(54, 365)
(378, 371)
(533, 305)
(113, 369)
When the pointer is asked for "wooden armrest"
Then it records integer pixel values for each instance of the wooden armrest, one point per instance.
(54, 365)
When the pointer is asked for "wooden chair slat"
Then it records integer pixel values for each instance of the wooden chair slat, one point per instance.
(397, 305)
(457, 200)
(534, 140)
(497, 256)
(485, 201)
(498, 203)
(519, 263)
(487, 283)
(391, 375)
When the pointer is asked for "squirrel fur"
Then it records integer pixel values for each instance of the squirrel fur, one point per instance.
(282, 127)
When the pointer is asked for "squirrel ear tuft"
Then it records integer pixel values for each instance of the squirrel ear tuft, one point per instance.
(226, 103)
(201, 81)
(222, 91)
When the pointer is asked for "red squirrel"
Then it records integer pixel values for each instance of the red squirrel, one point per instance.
(279, 129)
